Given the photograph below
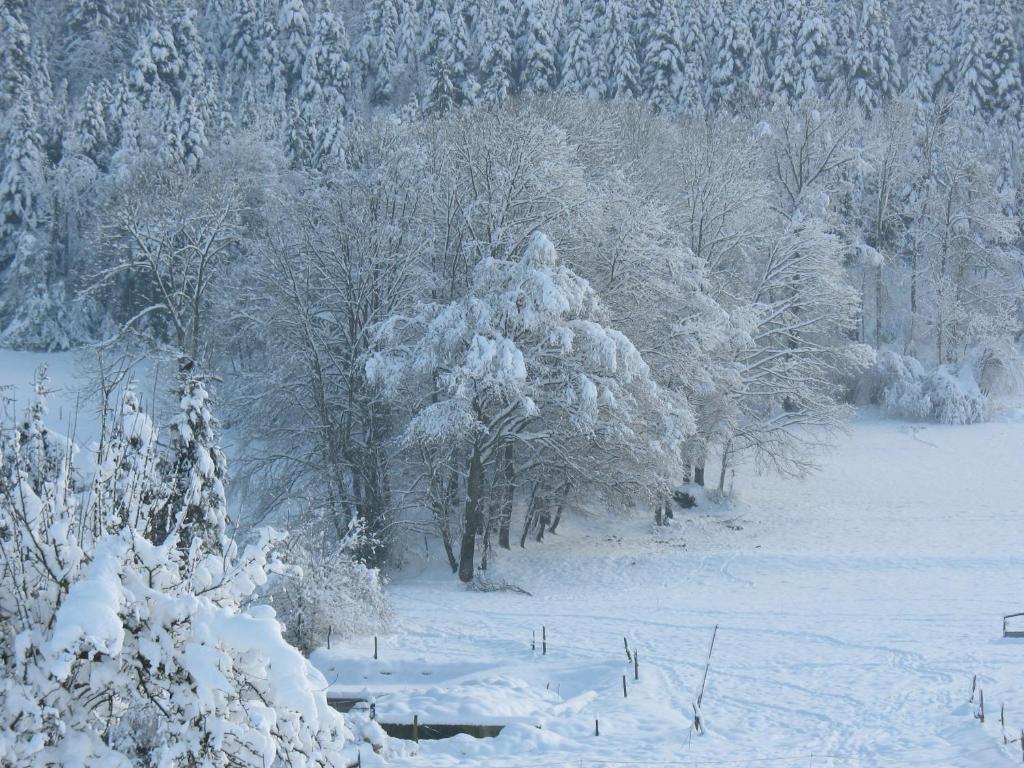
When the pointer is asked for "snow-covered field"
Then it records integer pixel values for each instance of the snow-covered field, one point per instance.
(853, 610)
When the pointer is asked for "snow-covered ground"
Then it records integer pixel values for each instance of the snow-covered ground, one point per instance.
(853, 610)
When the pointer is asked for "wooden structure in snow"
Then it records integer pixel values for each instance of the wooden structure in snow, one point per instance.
(1009, 630)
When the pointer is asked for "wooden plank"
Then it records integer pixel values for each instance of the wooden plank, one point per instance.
(345, 703)
(410, 731)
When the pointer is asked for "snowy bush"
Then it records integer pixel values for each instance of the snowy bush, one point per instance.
(327, 594)
(948, 394)
(120, 647)
(955, 395)
(901, 382)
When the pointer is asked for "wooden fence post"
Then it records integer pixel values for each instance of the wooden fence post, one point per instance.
(626, 644)
(416, 728)
(544, 641)
(636, 665)
(375, 647)
(597, 728)
(624, 694)
(981, 704)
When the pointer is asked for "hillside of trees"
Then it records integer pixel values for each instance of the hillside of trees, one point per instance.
(446, 264)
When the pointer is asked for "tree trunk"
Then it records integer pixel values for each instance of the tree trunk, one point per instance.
(474, 492)
(442, 503)
(559, 508)
(725, 464)
(698, 473)
(486, 544)
(508, 491)
(545, 519)
(531, 513)
(878, 307)
(910, 347)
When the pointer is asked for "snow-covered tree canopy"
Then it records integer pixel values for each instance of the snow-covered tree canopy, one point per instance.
(333, 209)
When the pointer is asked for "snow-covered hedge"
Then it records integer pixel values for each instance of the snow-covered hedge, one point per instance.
(121, 647)
(947, 394)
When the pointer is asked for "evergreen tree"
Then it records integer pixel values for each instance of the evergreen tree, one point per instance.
(692, 91)
(241, 57)
(439, 50)
(472, 17)
(972, 70)
(618, 70)
(171, 150)
(293, 24)
(92, 127)
(1004, 65)
(15, 55)
(466, 87)
(189, 44)
(33, 300)
(296, 135)
(330, 142)
(409, 31)
(442, 94)
(119, 103)
(326, 73)
(578, 66)
(916, 35)
(764, 17)
(942, 66)
(801, 70)
(192, 133)
(196, 507)
(132, 463)
(875, 69)
(22, 191)
(52, 105)
(98, 38)
(734, 53)
(645, 27)
(497, 50)
(437, 30)
(662, 60)
(84, 17)
(378, 50)
(155, 63)
(42, 454)
(536, 67)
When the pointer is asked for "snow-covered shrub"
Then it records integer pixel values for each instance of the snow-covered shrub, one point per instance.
(117, 649)
(901, 386)
(948, 394)
(998, 365)
(326, 593)
(955, 395)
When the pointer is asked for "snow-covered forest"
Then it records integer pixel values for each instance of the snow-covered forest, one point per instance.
(450, 271)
